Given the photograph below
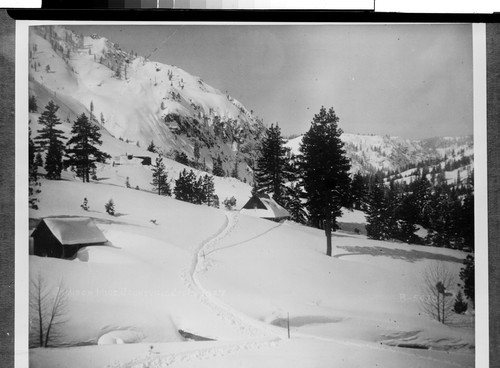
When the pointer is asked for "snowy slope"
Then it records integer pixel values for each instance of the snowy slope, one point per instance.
(234, 278)
(148, 101)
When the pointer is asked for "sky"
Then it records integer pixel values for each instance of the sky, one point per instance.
(412, 81)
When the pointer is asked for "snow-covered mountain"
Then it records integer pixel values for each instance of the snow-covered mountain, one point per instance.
(173, 271)
(137, 100)
(392, 155)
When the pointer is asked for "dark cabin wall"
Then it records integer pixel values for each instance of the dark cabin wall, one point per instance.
(45, 244)
(253, 203)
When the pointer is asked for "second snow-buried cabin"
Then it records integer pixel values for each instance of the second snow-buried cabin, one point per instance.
(263, 206)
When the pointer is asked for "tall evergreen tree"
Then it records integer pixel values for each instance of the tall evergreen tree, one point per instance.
(293, 193)
(185, 187)
(358, 191)
(270, 176)
(49, 139)
(160, 178)
(467, 277)
(83, 151)
(325, 170)
(32, 105)
(292, 201)
(465, 220)
(209, 190)
(378, 222)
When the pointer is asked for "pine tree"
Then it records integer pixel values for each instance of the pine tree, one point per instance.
(468, 279)
(185, 186)
(196, 152)
(209, 189)
(465, 219)
(49, 140)
(199, 194)
(83, 151)
(38, 159)
(160, 178)
(358, 191)
(270, 176)
(460, 305)
(216, 201)
(53, 162)
(217, 168)
(293, 193)
(33, 174)
(102, 120)
(234, 172)
(292, 201)
(181, 158)
(32, 105)
(378, 222)
(91, 118)
(152, 147)
(324, 170)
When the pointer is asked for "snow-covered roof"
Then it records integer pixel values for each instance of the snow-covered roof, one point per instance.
(75, 230)
(264, 207)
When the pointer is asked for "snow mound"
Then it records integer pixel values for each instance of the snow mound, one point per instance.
(120, 337)
(101, 254)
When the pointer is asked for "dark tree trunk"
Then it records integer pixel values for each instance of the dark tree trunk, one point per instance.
(328, 233)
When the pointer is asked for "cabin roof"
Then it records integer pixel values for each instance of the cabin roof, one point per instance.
(261, 205)
(74, 230)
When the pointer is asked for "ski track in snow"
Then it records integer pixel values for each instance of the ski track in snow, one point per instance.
(256, 328)
(257, 335)
(244, 324)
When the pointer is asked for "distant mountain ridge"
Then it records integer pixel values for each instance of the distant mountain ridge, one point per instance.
(372, 153)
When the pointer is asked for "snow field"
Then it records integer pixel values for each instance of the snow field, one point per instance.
(234, 278)
(368, 291)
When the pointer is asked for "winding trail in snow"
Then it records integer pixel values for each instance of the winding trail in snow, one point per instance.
(246, 325)
(255, 335)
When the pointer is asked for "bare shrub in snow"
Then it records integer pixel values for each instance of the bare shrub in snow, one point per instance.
(48, 310)
(438, 281)
(85, 204)
(229, 203)
(110, 207)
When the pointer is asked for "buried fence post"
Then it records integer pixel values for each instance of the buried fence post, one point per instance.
(288, 324)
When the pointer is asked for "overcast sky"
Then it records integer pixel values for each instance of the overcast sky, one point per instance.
(412, 81)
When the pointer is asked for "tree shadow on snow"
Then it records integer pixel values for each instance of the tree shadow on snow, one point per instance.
(411, 255)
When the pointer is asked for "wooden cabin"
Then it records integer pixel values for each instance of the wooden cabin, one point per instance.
(62, 237)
